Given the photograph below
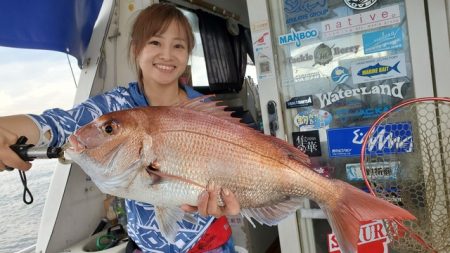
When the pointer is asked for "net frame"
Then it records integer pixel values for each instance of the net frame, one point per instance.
(396, 227)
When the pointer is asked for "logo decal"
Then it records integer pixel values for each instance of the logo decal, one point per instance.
(308, 142)
(384, 40)
(343, 115)
(392, 66)
(359, 4)
(302, 10)
(361, 22)
(297, 37)
(378, 171)
(347, 142)
(302, 101)
(329, 98)
(312, 119)
(340, 75)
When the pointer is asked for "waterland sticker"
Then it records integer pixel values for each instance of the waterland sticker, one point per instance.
(384, 40)
(361, 22)
(395, 90)
(392, 66)
(303, 10)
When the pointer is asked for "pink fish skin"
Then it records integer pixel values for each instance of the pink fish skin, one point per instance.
(167, 155)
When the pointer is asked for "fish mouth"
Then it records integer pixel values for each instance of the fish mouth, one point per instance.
(76, 145)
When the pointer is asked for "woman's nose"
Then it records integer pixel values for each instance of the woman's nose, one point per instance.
(165, 52)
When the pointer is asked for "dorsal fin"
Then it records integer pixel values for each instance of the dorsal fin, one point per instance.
(210, 107)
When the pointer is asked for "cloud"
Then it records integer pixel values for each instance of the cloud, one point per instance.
(35, 80)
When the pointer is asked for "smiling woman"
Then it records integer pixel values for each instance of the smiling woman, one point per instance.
(31, 81)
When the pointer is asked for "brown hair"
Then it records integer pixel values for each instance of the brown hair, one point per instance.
(154, 20)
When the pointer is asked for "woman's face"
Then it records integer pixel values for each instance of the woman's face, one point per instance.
(164, 57)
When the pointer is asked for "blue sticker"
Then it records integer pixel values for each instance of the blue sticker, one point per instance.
(302, 10)
(312, 119)
(392, 138)
(340, 75)
(384, 40)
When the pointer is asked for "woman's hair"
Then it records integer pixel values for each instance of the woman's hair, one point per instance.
(152, 21)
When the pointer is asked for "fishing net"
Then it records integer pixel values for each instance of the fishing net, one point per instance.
(405, 159)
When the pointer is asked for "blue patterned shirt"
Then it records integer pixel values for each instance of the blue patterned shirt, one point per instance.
(141, 225)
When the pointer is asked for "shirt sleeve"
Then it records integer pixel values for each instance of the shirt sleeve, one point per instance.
(62, 123)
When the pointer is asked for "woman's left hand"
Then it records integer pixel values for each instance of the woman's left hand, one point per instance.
(207, 202)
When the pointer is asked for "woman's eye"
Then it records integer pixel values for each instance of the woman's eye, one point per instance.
(181, 46)
(154, 42)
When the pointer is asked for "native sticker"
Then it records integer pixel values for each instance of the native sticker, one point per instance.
(363, 21)
(308, 142)
(384, 40)
(312, 119)
(303, 10)
(359, 4)
(340, 75)
(392, 66)
(302, 101)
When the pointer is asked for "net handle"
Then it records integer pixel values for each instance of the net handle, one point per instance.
(417, 237)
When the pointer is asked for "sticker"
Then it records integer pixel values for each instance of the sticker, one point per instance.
(361, 22)
(384, 40)
(303, 10)
(359, 4)
(302, 101)
(262, 48)
(322, 55)
(374, 171)
(329, 98)
(307, 76)
(372, 239)
(297, 37)
(340, 75)
(344, 115)
(312, 119)
(392, 66)
(308, 142)
(347, 142)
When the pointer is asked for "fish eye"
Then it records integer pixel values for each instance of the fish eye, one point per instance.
(109, 127)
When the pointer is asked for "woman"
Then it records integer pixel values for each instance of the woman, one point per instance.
(161, 42)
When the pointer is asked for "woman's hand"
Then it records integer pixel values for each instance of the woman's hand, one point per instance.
(7, 156)
(207, 202)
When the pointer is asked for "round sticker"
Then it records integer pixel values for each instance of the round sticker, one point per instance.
(359, 4)
(339, 75)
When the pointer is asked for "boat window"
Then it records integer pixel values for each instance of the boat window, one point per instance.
(199, 77)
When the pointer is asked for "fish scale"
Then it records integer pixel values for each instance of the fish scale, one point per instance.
(166, 156)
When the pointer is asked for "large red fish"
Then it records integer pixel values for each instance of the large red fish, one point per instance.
(167, 155)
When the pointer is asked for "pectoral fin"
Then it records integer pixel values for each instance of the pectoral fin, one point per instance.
(272, 215)
(167, 218)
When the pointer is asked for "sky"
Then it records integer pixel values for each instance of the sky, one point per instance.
(34, 80)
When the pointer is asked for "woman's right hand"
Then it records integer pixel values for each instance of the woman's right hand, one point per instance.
(7, 156)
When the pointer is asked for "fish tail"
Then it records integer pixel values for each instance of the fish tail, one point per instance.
(353, 207)
(395, 67)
